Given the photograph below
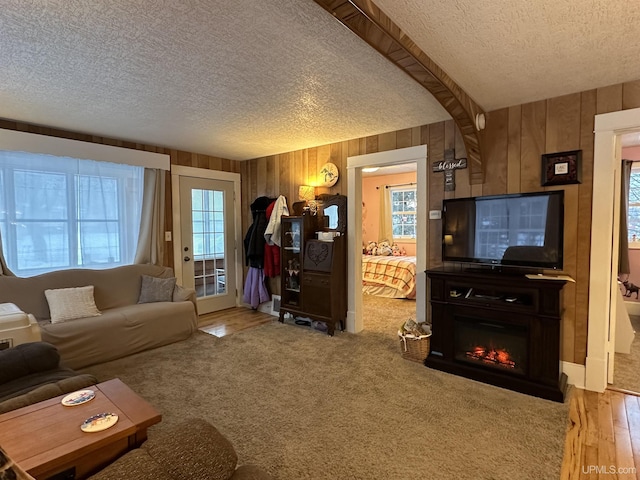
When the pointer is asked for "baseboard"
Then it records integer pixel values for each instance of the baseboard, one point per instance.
(575, 373)
(596, 374)
(267, 307)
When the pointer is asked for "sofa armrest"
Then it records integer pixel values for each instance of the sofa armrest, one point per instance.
(181, 294)
(27, 358)
(47, 391)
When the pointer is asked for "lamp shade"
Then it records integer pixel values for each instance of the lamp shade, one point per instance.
(448, 240)
(306, 192)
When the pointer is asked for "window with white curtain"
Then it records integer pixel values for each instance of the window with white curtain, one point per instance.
(403, 212)
(59, 212)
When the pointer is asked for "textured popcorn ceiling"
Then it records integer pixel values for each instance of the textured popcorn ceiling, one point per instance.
(508, 52)
(237, 79)
(246, 78)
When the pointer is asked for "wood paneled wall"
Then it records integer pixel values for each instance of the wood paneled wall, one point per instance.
(514, 140)
(178, 157)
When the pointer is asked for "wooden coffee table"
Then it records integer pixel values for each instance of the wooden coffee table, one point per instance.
(45, 438)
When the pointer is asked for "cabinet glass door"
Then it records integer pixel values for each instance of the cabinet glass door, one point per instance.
(291, 260)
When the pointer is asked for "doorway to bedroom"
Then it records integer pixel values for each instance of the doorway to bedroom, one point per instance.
(626, 372)
(387, 313)
(389, 234)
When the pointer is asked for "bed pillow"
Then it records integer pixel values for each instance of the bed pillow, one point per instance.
(154, 289)
(71, 303)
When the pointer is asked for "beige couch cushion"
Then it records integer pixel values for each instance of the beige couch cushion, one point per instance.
(120, 331)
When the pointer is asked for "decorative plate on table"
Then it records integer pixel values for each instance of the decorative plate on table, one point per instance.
(78, 398)
(99, 422)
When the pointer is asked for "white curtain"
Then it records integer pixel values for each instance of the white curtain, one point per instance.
(385, 229)
(61, 212)
(151, 238)
(4, 268)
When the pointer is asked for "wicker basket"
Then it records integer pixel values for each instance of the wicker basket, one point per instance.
(414, 348)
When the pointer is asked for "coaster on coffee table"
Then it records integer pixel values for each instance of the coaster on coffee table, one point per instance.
(78, 398)
(99, 422)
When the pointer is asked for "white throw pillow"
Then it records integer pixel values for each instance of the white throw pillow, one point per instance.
(71, 303)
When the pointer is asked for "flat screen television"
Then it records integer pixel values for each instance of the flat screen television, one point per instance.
(518, 230)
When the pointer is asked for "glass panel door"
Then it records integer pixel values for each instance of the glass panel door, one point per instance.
(207, 241)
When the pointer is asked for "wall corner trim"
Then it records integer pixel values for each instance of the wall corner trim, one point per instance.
(575, 373)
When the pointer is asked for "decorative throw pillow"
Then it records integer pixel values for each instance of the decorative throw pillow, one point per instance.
(154, 289)
(71, 303)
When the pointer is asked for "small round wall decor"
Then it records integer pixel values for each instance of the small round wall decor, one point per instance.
(328, 175)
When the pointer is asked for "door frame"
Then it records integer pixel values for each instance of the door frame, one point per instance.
(178, 171)
(355, 164)
(603, 266)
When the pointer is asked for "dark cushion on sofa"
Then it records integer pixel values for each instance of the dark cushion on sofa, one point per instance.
(31, 373)
(42, 391)
(27, 358)
(25, 384)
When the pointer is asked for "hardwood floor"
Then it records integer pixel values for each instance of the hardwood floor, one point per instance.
(232, 320)
(603, 439)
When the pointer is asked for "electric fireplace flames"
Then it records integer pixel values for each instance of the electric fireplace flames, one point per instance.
(491, 344)
(491, 356)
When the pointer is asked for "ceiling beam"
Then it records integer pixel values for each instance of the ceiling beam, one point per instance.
(366, 20)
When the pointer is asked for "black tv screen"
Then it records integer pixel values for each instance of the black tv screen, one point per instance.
(522, 230)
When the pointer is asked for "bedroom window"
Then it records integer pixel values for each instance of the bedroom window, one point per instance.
(634, 207)
(58, 212)
(403, 212)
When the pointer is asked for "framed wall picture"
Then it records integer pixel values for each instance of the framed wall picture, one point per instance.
(562, 168)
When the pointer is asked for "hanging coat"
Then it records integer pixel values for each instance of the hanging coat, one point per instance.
(254, 240)
(271, 249)
(255, 291)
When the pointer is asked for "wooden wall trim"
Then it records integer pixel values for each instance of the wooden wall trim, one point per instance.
(367, 21)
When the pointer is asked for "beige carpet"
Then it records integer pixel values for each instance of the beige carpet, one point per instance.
(386, 315)
(308, 406)
(626, 373)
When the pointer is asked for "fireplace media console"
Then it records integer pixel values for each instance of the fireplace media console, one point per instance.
(498, 328)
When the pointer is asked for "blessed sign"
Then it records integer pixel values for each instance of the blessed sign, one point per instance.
(449, 165)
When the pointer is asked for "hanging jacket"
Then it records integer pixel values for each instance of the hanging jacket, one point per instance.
(272, 250)
(254, 240)
(278, 209)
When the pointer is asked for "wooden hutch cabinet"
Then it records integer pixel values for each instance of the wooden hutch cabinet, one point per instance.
(313, 271)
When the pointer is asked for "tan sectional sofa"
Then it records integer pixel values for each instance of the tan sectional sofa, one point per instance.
(124, 327)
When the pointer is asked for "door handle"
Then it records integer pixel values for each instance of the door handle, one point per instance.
(186, 259)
